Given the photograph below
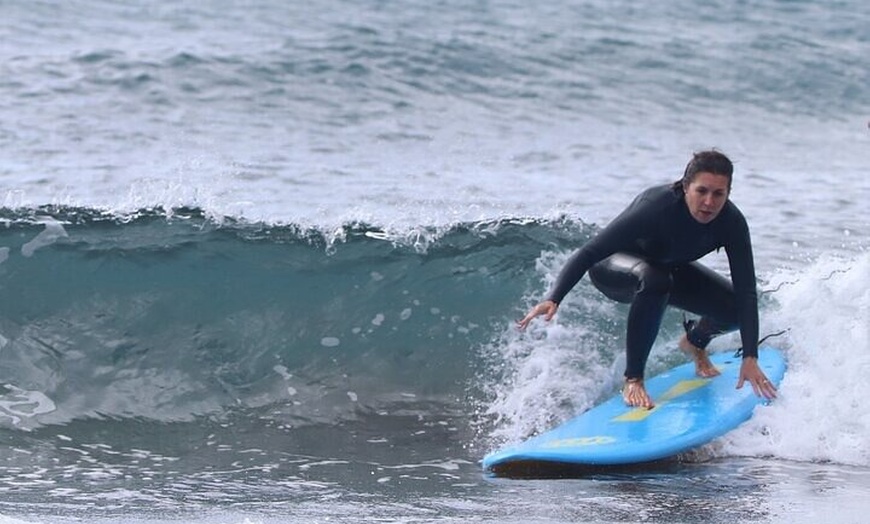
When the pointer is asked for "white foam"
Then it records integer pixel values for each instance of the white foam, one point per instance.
(53, 232)
(330, 342)
(822, 413)
(9, 520)
(551, 372)
(18, 405)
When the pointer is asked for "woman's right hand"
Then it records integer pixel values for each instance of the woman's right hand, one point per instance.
(547, 308)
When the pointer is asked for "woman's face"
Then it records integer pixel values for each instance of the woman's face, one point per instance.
(706, 196)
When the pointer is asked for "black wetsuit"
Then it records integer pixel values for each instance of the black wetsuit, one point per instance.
(646, 257)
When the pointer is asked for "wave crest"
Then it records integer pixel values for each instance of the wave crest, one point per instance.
(172, 314)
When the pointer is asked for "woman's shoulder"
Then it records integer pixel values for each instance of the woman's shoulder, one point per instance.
(661, 193)
(733, 213)
(657, 197)
(732, 224)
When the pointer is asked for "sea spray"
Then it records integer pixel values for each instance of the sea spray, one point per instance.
(822, 412)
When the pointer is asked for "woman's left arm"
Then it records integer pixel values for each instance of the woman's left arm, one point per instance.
(738, 247)
(740, 260)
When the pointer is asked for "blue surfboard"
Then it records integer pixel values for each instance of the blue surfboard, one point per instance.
(689, 411)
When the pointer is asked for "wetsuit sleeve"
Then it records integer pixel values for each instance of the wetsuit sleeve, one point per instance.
(619, 235)
(740, 260)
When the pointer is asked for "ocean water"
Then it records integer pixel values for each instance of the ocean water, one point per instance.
(260, 261)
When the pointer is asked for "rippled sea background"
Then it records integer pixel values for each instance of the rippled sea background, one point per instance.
(260, 261)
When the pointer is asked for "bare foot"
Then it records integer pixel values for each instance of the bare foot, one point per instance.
(703, 366)
(635, 395)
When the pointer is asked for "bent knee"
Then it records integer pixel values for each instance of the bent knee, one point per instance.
(621, 277)
(652, 280)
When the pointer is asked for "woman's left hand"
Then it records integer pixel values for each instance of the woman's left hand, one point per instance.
(749, 371)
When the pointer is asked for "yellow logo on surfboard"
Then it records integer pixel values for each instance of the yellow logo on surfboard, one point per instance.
(680, 388)
(635, 415)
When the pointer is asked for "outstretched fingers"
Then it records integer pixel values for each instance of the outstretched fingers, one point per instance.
(546, 308)
(752, 373)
